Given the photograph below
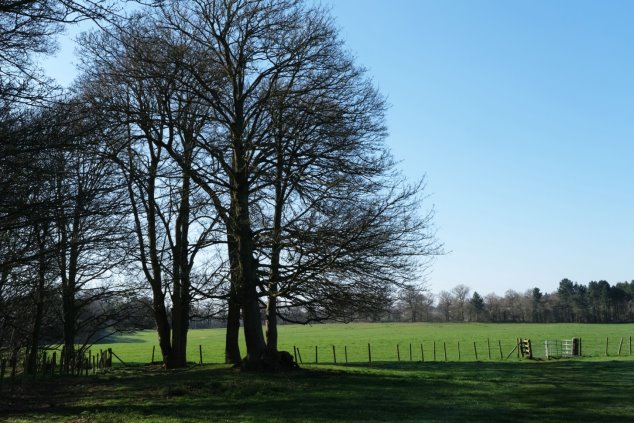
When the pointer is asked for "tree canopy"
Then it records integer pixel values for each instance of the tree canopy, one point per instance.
(234, 159)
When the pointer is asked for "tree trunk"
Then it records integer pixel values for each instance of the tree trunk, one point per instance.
(180, 324)
(31, 361)
(180, 276)
(69, 291)
(276, 248)
(253, 334)
(232, 345)
(69, 330)
(163, 329)
(271, 308)
(180, 327)
(247, 273)
(240, 230)
(271, 323)
(39, 305)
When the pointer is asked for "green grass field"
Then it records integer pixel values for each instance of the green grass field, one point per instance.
(384, 339)
(594, 388)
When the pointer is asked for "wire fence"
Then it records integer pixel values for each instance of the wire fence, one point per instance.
(51, 362)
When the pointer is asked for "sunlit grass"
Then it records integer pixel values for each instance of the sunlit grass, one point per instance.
(384, 338)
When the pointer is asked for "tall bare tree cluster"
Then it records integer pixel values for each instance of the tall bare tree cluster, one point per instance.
(60, 212)
(228, 153)
(572, 302)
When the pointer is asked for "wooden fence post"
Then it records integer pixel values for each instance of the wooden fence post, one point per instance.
(14, 363)
(434, 350)
(459, 354)
(620, 346)
(580, 353)
(53, 363)
(630, 345)
(117, 357)
(345, 351)
(489, 348)
(444, 344)
(513, 350)
(475, 350)
(422, 353)
(410, 351)
(3, 367)
(369, 354)
(74, 362)
(518, 347)
(334, 354)
(606, 346)
(44, 363)
(398, 353)
(200, 350)
(316, 356)
(26, 365)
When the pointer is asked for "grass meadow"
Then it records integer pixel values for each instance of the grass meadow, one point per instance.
(594, 388)
(384, 338)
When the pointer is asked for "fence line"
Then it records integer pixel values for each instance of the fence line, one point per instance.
(52, 362)
(480, 350)
(15, 368)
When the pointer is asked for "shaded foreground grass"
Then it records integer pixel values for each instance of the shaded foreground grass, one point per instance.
(527, 391)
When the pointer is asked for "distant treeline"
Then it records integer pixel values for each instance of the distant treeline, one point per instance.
(572, 302)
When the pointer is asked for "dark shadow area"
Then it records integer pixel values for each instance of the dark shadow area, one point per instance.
(568, 391)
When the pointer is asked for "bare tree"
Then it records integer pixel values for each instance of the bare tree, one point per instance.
(64, 221)
(88, 220)
(338, 228)
(29, 27)
(25, 228)
(300, 143)
(445, 304)
(460, 294)
(287, 148)
(415, 302)
(146, 113)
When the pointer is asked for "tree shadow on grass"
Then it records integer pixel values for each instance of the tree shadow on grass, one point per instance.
(570, 391)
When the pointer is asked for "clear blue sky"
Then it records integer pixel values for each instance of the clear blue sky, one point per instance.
(521, 114)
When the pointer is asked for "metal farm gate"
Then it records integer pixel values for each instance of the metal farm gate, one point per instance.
(564, 348)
